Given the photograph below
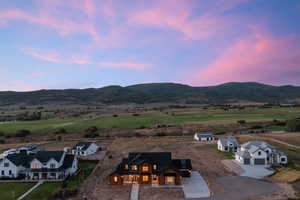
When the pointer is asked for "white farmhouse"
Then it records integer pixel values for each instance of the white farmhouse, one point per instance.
(260, 153)
(206, 136)
(228, 144)
(85, 148)
(42, 165)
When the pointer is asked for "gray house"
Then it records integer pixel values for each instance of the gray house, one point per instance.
(85, 148)
(260, 153)
(229, 144)
(204, 136)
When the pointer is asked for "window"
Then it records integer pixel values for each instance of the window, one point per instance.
(145, 178)
(35, 166)
(145, 168)
(226, 148)
(115, 179)
(126, 166)
(2, 172)
(52, 165)
(283, 160)
(53, 174)
(9, 172)
(267, 151)
(6, 164)
(155, 167)
(259, 153)
(134, 167)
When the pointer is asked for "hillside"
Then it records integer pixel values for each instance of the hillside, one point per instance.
(156, 93)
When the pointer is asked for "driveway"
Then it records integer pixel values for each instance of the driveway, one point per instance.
(252, 171)
(255, 171)
(195, 187)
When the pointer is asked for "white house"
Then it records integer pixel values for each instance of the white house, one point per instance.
(42, 165)
(260, 153)
(228, 144)
(85, 148)
(204, 136)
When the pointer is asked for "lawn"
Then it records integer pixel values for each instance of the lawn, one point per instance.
(150, 119)
(46, 190)
(11, 191)
(227, 155)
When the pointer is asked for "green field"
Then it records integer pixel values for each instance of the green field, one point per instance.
(11, 191)
(150, 119)
(44, 191)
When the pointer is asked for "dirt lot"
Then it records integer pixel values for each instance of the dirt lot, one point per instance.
(292, 138)
(205, 159)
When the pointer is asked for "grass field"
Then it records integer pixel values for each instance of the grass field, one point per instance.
(150, 119)
(46, 190)
(11, 191)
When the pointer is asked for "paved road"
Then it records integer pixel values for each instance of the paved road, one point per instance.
(134, 195)
(195, 187)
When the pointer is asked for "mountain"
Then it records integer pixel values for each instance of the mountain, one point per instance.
(156, 93)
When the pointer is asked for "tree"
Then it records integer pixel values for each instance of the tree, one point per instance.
(22, 133)
(293, 125)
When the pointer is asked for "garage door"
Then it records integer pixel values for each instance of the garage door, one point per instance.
(259, 161)
(247, 161)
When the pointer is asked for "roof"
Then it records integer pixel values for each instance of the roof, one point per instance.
(244, 154)
(162, 159)
(83, 145)
(227, 141)
(20, 159)
(68, 161)
(204, 134)
(45, 156)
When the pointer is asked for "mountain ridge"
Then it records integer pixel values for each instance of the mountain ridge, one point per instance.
(156, 93)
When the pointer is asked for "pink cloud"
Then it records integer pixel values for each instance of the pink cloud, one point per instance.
(257, 57)
(50, 57)
(177, 15)
(83, 60)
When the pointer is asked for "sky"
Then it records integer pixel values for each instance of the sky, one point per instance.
(58, 44)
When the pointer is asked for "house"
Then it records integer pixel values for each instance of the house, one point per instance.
(42, 165)
(260, 153)
(207, 136)
(229, 144)
(85, 148)
(151, 168)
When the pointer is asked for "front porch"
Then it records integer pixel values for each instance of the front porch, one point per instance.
(46, 175)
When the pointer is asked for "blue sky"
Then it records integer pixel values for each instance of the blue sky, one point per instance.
(91, 43)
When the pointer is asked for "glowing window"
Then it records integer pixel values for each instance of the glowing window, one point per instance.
(145, 178)
(145, 168)
(134, 167)
(126, 166)
(155, 167)
(35, 166)
(115, 179)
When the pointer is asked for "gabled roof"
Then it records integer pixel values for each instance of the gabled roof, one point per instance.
(68, 161)
(259, 144)
(244, 154)
(83, 145)
(229, 140)
(20, 159)
(204, 134)
(163, 160)
(45, 156)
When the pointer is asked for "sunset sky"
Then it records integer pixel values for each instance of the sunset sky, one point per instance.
(56, 44)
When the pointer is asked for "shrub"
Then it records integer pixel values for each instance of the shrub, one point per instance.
(220, 133)
(293, 125)
(22, 133)
(115, 115)
(91, 135)
(91, 129)
(135, 114)
(241, 122)
(256, 127)
(2, 141)
(160, 134)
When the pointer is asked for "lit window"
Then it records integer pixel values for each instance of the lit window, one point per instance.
(155, 167)
(145, 178)
(145, 168)
(169, 179)
(35, 166)
(134, 167)
(126, 166)
(115, 179)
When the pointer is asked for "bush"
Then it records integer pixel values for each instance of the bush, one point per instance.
(22, 133)
(91, 135)
(241, 122)
(220, 133)
(135, 114)
(293, 125)
(115, 115)
(91, 129)
(2, 141)
(160, 134)
(256, 127)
